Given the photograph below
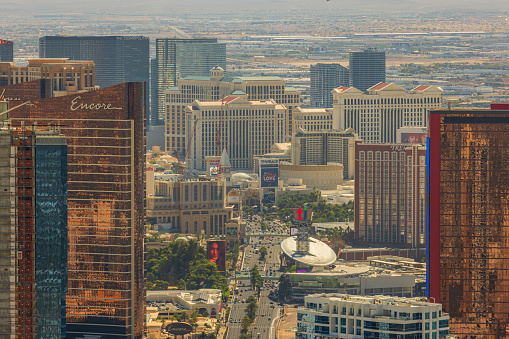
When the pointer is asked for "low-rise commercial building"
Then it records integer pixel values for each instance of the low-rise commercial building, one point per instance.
(356, 317)
(354, 280)
(194, 301)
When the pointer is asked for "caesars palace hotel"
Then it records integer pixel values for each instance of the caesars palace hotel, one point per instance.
(377, 115)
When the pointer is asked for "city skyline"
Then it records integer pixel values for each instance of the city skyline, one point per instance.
(382, 120)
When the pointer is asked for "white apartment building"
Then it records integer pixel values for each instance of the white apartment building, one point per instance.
(358, 317)
(377, 115)
(214, 88)
(312, 119)
(248, 128)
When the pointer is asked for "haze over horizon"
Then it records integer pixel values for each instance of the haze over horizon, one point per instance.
(163, 7)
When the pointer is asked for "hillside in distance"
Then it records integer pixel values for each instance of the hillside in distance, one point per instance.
(161, 7)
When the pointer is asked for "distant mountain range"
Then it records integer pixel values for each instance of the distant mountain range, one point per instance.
(160, 7)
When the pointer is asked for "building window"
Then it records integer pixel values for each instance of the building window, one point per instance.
(196, 193)
(186, 193)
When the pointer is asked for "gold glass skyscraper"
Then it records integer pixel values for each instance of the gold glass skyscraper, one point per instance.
(468, 220)
(106, 191)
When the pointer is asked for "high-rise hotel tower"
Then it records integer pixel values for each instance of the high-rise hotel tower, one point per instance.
(33, 232)
(468, 220)
(106, 195)
(178, 58)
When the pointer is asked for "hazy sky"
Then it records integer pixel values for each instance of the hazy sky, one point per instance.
(161, 6)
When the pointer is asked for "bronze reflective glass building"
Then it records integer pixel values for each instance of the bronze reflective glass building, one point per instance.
(468, 220)
(106, 196)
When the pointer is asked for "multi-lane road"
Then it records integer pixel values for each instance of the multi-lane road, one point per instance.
(268, 311)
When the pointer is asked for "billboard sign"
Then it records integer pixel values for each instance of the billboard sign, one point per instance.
(216, 253)
(413, 138)
(269, 177)
(179, 328)
(269, 162)
(269, 196)
(303, 214)
(294, 231)
(213, 163)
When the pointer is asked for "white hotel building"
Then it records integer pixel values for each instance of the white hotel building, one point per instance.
(248, 128)
(357, 317)
(377, 115)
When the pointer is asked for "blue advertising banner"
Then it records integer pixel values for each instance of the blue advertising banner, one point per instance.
(269, 177)
(269, 196)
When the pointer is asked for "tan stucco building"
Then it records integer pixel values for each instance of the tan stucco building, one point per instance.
(69, 76)
(324, 147)
(376, 116)
(216, 87)
(192, 206)
(324, 177)
(249, 128)
(312, 119)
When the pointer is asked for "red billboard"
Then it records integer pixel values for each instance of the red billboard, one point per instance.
(216, 253)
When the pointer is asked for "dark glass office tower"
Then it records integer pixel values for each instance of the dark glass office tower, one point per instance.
(6, 51)
(50, 168)
(118, 59)
(367, 68)
(324, 78)
(468, 220)
(105, 135)
(178, 58)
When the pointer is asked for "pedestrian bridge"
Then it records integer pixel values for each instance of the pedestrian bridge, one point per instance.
(266, 234)
(264, 277)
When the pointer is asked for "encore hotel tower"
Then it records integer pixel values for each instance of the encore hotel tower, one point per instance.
(468, 220)
(106, 144)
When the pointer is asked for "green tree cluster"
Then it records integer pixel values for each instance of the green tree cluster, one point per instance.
(251, 308)
(338, 237)
(285, 288)
(263, 253)
(183, 264)
(234, 255)
(256, 278)
(322, 212)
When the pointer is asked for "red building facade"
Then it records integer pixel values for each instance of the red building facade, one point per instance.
(390, 186)
(468, 220)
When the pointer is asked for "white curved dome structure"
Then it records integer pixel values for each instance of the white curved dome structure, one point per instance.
(319, 254)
